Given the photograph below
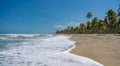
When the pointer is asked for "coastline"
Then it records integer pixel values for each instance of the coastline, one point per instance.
(81, 58)
(103, 48)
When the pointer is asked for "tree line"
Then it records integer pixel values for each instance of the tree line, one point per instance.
(109, 25)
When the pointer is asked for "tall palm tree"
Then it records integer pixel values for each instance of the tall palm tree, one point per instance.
(106, 23)
(118, 24)
(118, 11)
(95, 22)
(88, 25)
(101, 26)
(89, 15)
(94, 25)
(111, 18)
(114, 21)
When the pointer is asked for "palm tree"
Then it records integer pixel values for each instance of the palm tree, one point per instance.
(68, 28)
(94, 25)
(76, 30)
(88, 25)
(114, 21)
(111, 18)
(118, 11)
(95, 22)
(101, 26)
(89, 15)
(106, 23)
(119, 22)
(110, 24)
(82, 27)
(71, 29)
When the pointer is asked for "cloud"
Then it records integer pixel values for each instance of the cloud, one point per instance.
(60, 27)
(74, 24)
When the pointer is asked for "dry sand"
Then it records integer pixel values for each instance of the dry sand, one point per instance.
(103, 48)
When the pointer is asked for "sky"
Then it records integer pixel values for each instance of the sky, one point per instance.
(45, 16)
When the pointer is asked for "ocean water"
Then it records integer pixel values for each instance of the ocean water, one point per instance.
(39, 50)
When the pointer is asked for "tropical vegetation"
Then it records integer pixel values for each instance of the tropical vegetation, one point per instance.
(109, 25)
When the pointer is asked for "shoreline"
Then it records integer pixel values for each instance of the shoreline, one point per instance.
(69, 36)
(103, 48)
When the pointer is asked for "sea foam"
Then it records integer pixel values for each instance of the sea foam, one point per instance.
(49, 51)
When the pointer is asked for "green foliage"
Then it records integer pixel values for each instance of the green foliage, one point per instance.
(89, 15)
(110, 24)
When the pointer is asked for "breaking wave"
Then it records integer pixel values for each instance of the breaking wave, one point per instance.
(39, 50)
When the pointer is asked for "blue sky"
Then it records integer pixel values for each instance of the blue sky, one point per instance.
(43, 16)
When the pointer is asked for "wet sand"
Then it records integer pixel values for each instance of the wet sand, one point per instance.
(103, 48)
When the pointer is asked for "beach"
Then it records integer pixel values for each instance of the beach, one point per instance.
(103, 48)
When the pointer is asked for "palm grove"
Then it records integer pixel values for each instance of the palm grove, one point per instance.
(110, 24)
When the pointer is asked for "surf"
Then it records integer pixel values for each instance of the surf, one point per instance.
(41, 50)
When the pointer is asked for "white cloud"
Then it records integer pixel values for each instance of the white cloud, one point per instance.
(60, 27)
(74, 24)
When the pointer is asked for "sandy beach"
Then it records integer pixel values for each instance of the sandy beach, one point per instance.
(103, 48)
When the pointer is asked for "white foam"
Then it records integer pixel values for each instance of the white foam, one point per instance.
(52, 51)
